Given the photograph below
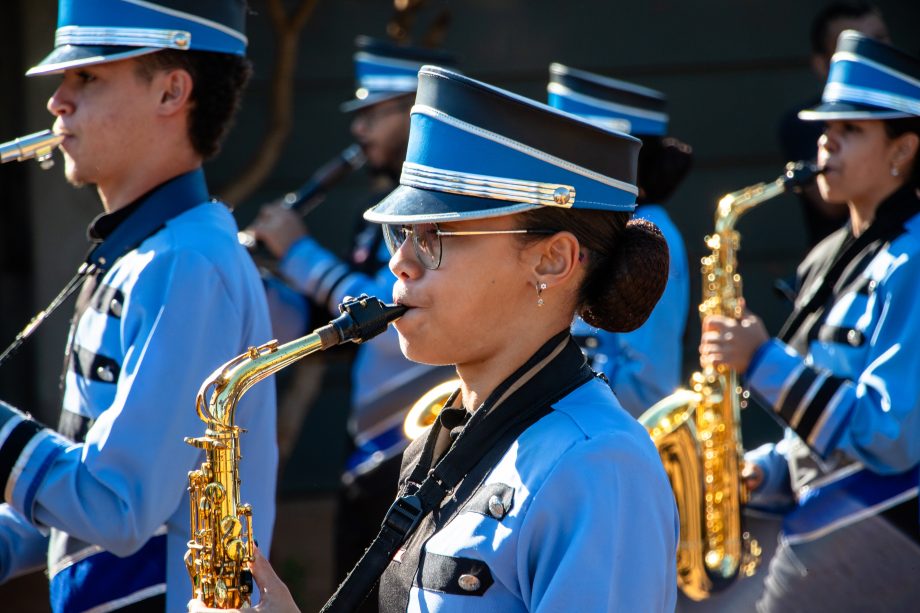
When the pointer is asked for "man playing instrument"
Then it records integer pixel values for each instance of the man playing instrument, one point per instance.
(145, 95)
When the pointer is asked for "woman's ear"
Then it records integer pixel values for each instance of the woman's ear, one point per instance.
(556, 258)
(905, 153)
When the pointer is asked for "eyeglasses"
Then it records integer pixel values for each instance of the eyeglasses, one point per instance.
(426, 239)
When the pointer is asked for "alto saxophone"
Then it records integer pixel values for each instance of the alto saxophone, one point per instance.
(220, 550)
(698, 431)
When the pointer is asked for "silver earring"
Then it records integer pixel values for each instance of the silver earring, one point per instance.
(894, 171)
(540, 288)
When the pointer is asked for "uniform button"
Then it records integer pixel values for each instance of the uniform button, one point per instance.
(496, 507)
(469, 583)
(105, 373)
(853, 337)
(562, 195)
(115, 307)
(872, 285)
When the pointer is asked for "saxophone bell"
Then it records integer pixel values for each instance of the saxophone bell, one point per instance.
(40, 145)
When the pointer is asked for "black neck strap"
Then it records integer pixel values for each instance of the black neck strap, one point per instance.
(153, 211)
(552, 373)
(888, 224)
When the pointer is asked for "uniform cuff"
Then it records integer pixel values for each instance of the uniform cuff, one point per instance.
(811, 401)
(312, 269)
(27, 451)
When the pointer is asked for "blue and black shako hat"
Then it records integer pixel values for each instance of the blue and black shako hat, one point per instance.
(98, 31)
(868, 80)
(611, 103)
(477, 151)
(384, 70)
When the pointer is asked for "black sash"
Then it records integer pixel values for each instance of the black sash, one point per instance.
(849, 259)
(520, 401)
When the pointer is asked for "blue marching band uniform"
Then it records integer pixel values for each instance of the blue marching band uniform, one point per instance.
(841, 377)
(643, 366)
(545, 514)
(101, 499)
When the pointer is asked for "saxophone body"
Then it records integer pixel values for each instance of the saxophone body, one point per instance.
(221, 547)
(697, 430)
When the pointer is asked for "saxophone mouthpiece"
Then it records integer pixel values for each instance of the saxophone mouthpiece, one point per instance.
(361, 319)
(799, 174)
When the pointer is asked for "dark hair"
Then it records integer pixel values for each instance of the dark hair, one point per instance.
(219, 79)
(627, 263)
(895, 128)
(663, 163)
(833, 11)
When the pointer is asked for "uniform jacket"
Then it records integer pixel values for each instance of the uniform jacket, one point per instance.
(576, 515)
(112, 487)
(845, 384)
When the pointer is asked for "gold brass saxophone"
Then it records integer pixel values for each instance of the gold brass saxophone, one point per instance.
(40, 145)
(220, 550)
(698, 431)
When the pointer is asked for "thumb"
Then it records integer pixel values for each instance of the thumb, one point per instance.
(272, 590)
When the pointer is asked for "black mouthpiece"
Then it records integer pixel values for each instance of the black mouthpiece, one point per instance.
(362, 319)
(799, 174)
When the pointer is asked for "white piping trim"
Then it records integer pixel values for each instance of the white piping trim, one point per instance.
(24, 457)
(190, 17)
(562, 90)
(849, 56)
(91, 550)
(423, 109)
(137, 596)
(843, 522)
(452, 216)
(827, 479)
(45, 69)
(838, 92)
(371, 58)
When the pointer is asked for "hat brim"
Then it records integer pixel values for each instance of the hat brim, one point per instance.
(66, 57)
(411, 205)
(357, 104)
(839, 110)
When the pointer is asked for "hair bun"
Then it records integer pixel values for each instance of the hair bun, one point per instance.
(627, 286)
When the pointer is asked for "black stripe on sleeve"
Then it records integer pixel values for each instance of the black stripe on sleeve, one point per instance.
(14, 444)
(796, 392)
(817, 406)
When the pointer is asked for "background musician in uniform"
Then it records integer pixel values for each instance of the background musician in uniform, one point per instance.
(797, 138)
(543, 494)
(642, 366)
(842, 373)
(168, 295)
(384, 383)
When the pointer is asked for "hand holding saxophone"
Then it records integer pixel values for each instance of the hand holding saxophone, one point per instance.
(274, 595)
(731, 342)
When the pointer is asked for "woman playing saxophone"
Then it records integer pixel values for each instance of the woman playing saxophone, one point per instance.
(842, 374)
(534, 490)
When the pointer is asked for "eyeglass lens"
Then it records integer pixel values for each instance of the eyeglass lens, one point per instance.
(425, 241)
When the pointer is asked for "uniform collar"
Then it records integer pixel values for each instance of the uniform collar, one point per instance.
(118, 232)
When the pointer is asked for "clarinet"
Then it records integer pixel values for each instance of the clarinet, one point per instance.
(309, 195)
